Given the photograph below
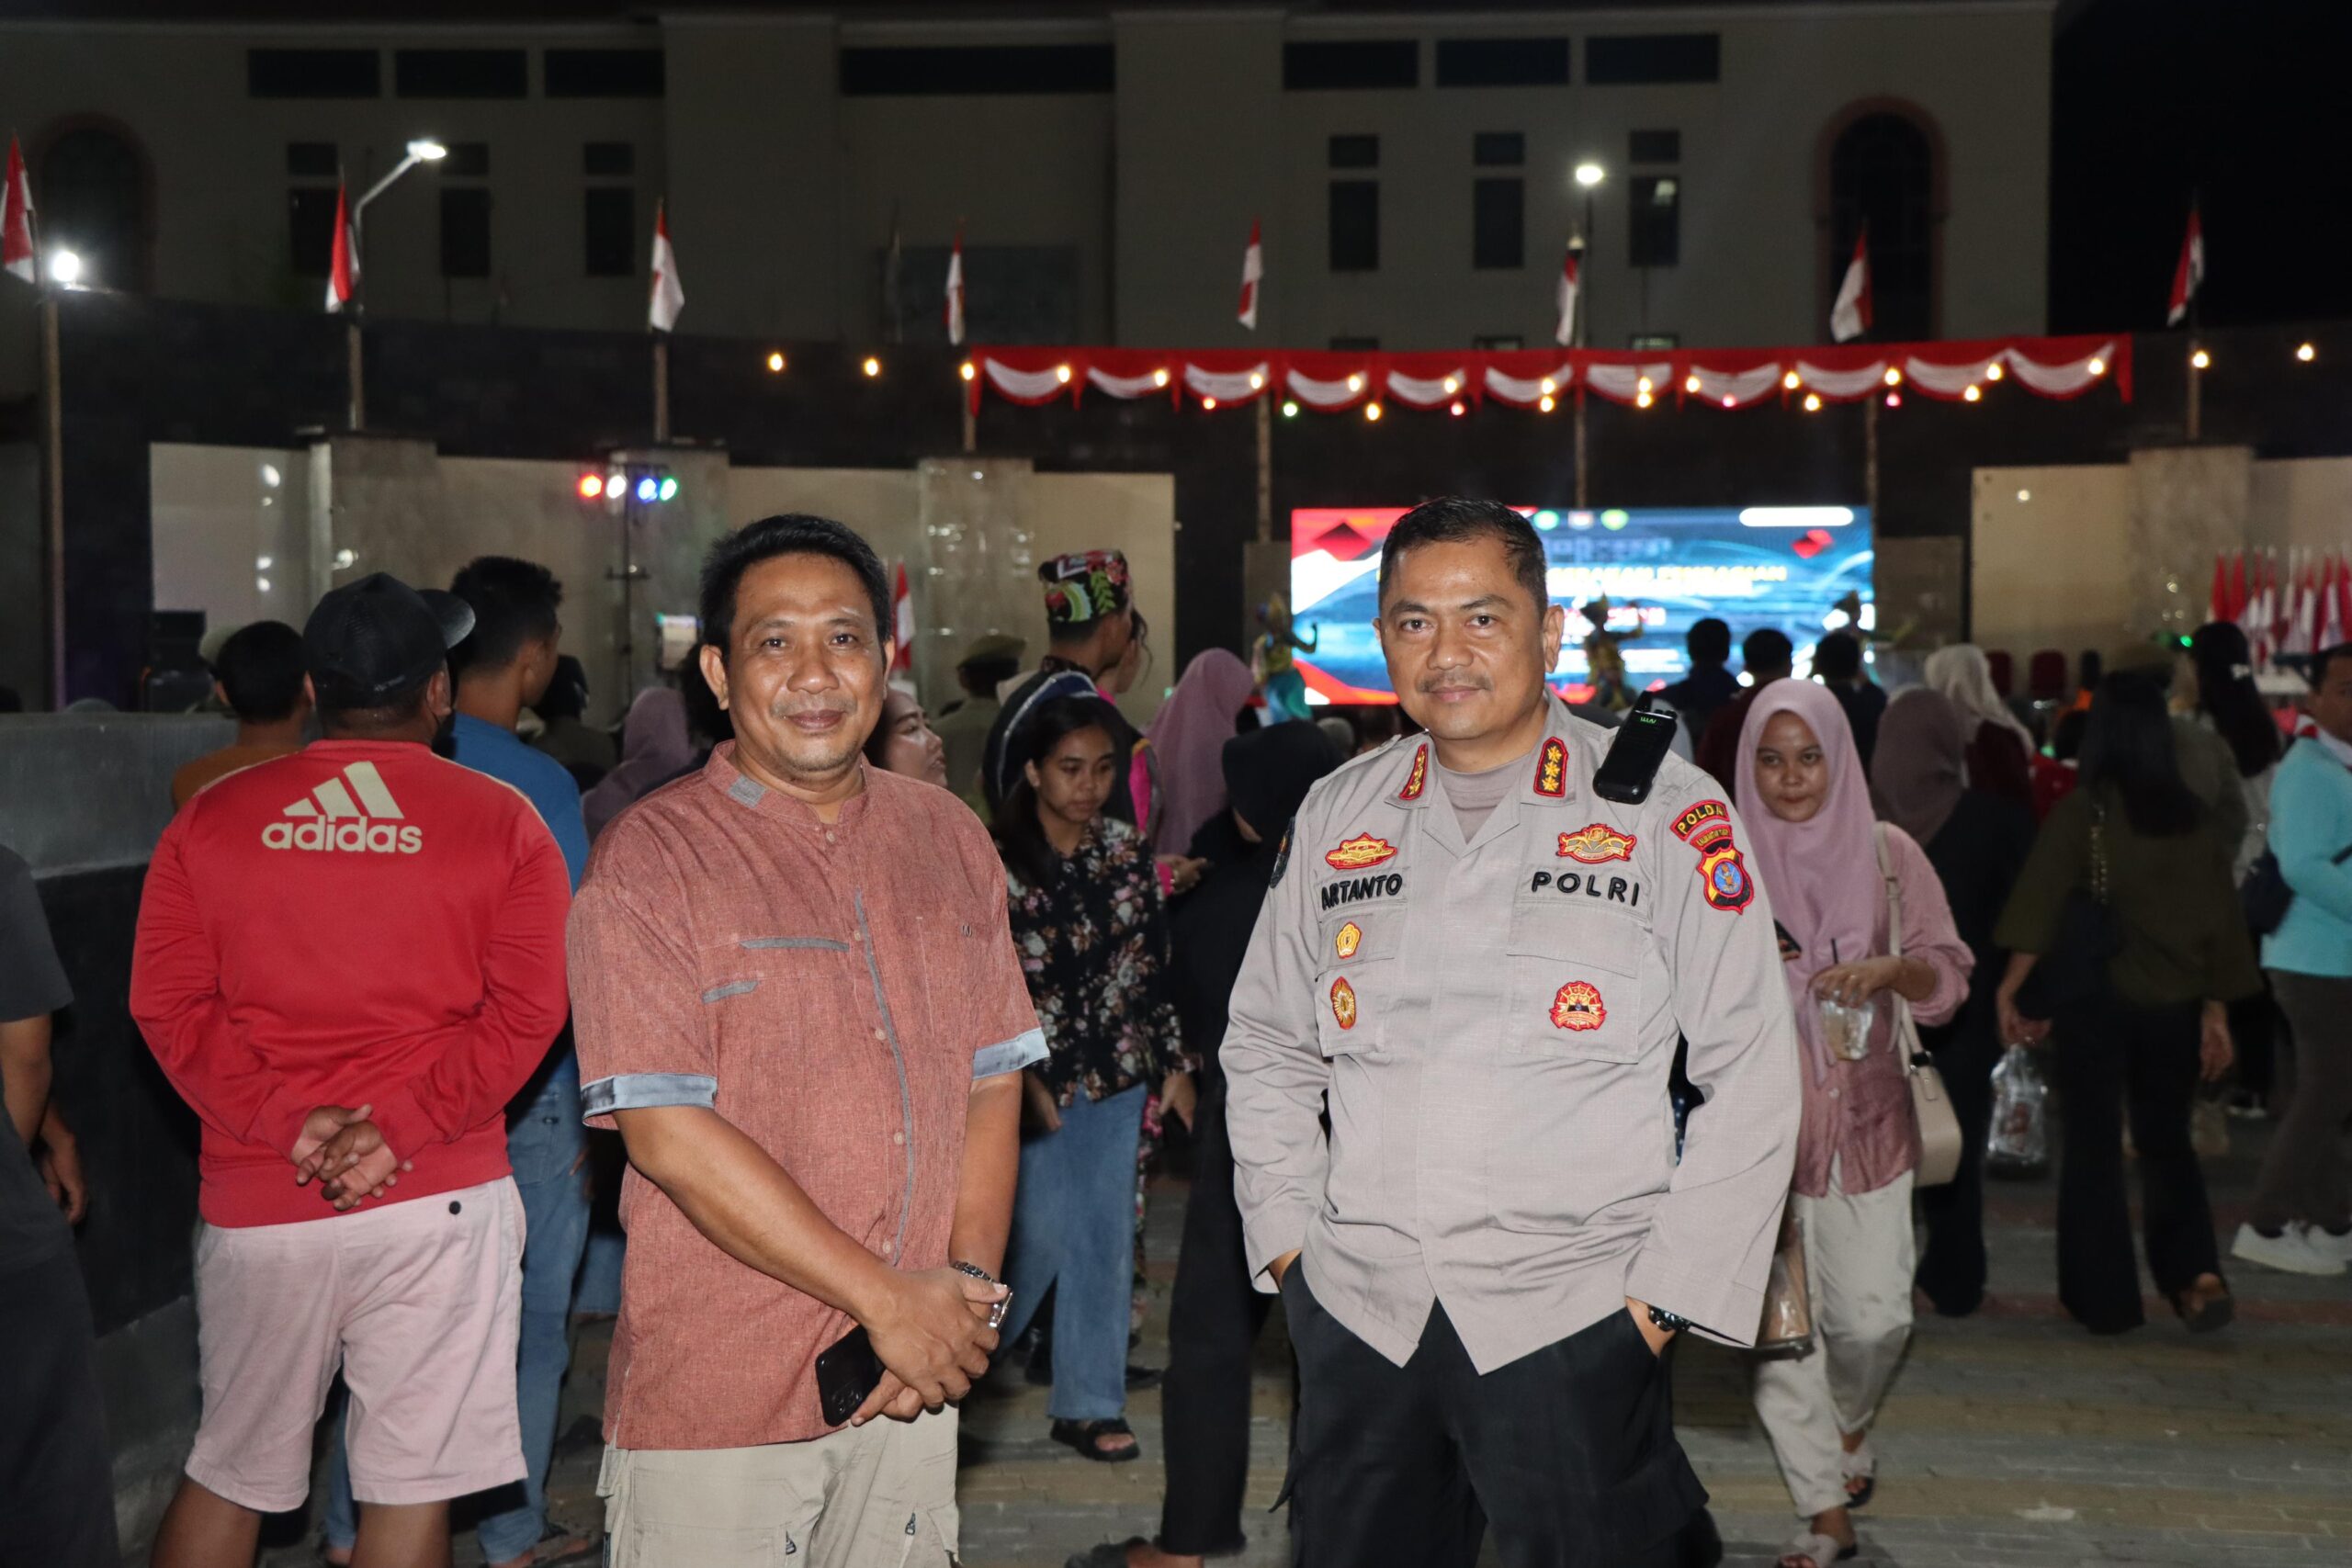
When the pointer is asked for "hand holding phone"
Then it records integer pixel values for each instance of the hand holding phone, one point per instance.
(929, 1333)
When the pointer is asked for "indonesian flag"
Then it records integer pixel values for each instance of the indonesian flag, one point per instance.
(2187, 275)
(668, 295)
(1570, 266)
(1253, 267)
(2335, 604)
(903, 622)
(955, 317)
(1850, 318)
(17, 220)
(342, 265)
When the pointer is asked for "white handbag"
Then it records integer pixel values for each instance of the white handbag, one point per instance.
(1940, 1134)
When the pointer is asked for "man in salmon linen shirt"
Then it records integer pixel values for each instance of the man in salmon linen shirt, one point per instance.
(795, 996)
(349, 960)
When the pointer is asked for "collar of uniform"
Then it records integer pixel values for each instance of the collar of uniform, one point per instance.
(722, 773)
(1555, 767)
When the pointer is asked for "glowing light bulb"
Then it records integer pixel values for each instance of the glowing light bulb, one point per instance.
(1547, 386)
(1644, 385)
(1994, 371)
(1457, 408)
(1290, 407)
(1356, 383)
(591, 487)
(2098, 367)
(1257, 380)
(1690, 383)
(1371, 413)
(1208, 403)
(776, 363)
(1061, 374)
(1641, 399)
(1791, 381)
(968, 370)
(2201, 359)
(1894, 376)
(1545, 404)
(1730, 401)
(1813, 403)
(1452, 385)
(1971, 393)
(2306, 353)
(872, 366)
(1894, 399)
(1160, 377)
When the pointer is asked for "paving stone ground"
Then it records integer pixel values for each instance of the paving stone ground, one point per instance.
(2011, 1440)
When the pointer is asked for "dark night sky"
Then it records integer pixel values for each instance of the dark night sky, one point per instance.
(2246, 101)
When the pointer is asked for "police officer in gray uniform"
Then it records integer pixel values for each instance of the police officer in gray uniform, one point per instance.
(1481, 964)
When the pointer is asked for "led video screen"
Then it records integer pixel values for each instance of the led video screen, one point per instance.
(1661, 567)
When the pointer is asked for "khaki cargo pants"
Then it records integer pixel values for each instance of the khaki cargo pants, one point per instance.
(881, 1495)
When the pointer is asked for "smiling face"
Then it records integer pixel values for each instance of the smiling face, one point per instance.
(906, 744)
(1073, 781)
(1792, 770)
(1468, 649)
(803, 676)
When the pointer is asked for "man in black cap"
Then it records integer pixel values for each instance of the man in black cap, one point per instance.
(349, 960)
(1091, 624)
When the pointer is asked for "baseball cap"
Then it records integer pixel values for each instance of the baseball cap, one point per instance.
(371, 640)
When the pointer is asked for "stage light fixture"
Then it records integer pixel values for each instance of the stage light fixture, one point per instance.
(65, 268)
(591, 487)
(1971, 393)
(872, 366)
(615, 486)
(2306, 353)
(1791, 381)
(776, 363)
(647, 489)
(2201, 359)
(669, 487)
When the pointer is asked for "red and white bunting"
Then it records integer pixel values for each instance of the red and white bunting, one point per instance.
(17, 220)
(1332, 382)
(1253, 271)
(343, 264)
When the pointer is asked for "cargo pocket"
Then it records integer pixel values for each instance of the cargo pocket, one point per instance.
(946, 1531)
(1576, 980)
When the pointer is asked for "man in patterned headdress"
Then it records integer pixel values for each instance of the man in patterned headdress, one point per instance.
(1091, 623)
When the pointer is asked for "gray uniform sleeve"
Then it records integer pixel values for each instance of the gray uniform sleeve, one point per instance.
(1276, 1076)
(1711, 1241)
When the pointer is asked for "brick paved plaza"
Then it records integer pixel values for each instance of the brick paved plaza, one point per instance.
(2011, 1439)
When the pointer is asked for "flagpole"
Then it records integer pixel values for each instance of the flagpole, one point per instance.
(1584, 498)
(1266, 466)
(2196, 287)
(53, 493)
(660, 390)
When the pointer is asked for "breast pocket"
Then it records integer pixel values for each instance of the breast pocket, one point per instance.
(1576, 980)
(1355, 979)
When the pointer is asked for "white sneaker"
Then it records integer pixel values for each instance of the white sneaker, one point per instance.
(2291, 1251)
(2336, 1247)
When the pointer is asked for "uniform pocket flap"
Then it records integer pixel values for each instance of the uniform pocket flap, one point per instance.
(1546, 926)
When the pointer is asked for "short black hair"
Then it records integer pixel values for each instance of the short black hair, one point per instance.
(1838, 657)
(1453, 519)
(1767, 648)
(260, 669)
(2325, 656)
(514, 602)
(1708, 640)
(787, 534)
(566, 693)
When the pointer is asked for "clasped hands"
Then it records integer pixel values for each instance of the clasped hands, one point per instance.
(932, 1332)
(345, 1152)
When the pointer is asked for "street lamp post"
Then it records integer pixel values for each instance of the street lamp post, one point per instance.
(424, 150)
(1588, 175)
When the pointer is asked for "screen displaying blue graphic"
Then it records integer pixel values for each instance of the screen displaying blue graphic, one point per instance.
(1661, 568)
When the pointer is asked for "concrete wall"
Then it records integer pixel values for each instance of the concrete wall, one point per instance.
(782, 190)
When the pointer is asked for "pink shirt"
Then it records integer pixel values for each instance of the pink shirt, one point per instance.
(1861, 1112)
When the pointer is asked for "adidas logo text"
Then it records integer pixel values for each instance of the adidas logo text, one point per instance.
(352, 812)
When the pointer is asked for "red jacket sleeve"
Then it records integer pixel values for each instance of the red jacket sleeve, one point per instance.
(176, 998)
(523, 1005)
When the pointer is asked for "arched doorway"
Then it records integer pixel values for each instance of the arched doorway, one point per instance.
(1885, 166)
(92, 195)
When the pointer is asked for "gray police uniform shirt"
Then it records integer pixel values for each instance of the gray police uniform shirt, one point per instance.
(1493, 1023)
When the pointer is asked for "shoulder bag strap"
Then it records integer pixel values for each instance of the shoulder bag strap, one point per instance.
(1907, 1029)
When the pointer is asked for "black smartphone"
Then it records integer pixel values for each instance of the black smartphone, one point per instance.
(1640, 745)
(846, 1374)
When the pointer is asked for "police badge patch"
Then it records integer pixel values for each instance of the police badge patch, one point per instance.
(1282, 861)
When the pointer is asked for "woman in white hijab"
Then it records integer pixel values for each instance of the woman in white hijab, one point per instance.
(2000, 748)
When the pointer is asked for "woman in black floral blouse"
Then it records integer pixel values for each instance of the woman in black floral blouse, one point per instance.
(1092, 933)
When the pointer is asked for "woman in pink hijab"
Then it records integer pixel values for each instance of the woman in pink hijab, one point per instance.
(1818, 850)
(655, 747)
(1189, 738)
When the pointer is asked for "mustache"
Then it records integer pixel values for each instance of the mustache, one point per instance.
(790, 709)
(1428, 683)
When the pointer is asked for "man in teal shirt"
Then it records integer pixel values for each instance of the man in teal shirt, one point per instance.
(2302, 1209)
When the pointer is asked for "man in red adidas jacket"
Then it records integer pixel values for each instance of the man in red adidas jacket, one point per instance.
(349, 960)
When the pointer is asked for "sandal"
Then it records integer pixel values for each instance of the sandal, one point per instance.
(1087, 1437)
(1861, 1465)
(1814, 1549)
(2212, 1311)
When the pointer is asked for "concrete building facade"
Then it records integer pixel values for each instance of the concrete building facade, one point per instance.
(1412, 171)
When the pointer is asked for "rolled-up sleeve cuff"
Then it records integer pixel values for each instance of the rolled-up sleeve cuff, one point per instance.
(1729, 1312)
(643, 1092)
(1008, 1056)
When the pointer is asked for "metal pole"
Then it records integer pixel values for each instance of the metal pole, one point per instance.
(660, 392)
(354, 370)
(2196, 392)
(1266, 466)
(1870, 460)
(1585, 281)
(53, 499)
(971, 423)
(1584, 495)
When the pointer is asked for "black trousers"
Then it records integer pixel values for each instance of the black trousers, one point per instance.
(1951, 1265)
(1570, 1452)
(56, 1474)
(1212, 1323)
(2111, 1059)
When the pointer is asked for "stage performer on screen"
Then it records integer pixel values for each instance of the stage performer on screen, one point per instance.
(1272, 659)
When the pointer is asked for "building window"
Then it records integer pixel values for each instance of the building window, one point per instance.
(1882, 171)
(612, 231)
(930, 70)
(610, 158)
(310, 224)
(462, 73)
(1654, 227)
(1499, 149)
(604, 72)
(1498, 224)
(1654, 147)
(313, 74)
(1502, 63)
(313, 161)
(466, 160)
(465, 232)
(1371, 62)
(1354, 152)
(1355, 225)
(1646, 58)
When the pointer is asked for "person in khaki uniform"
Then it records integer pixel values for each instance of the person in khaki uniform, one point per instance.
(1481, 967)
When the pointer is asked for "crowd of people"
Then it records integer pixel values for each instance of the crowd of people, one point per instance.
(829, 1043)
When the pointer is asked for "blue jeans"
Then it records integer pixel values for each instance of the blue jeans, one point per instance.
(543, 1144)
(1074, 1229)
